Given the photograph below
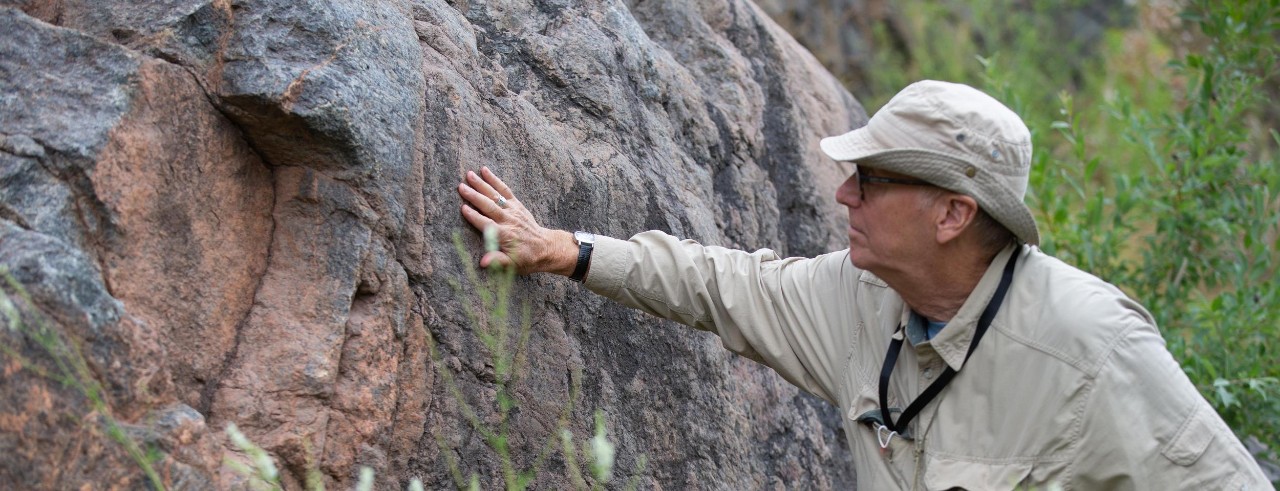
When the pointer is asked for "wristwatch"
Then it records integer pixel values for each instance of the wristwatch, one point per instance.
(585, 240)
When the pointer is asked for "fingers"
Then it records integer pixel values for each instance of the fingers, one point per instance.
(496, 183)
(482, 187)
(475, 218)
(479, 201)
(522, 242)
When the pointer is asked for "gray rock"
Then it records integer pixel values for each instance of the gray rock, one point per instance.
(1265, 457)
(69, 108)
(263, 195)
(61, 94)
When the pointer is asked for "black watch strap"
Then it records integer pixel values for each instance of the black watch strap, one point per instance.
(584, 260)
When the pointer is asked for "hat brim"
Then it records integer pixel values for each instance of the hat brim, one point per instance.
(943, 170)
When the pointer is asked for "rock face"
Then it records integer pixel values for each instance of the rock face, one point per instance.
(841, 33)
(243, 211)
(838, 32)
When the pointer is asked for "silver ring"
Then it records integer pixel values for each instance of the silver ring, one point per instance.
(502, 202)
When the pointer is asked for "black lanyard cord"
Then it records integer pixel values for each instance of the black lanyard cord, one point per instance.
(891, 358)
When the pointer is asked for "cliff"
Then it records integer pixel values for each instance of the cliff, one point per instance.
(243, 211)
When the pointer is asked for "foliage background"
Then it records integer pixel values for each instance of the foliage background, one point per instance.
(1155, 164)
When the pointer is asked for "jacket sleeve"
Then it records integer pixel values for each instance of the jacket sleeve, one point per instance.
(780, 312)
(1145, 426)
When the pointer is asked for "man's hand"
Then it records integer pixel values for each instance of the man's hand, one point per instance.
(488, 202)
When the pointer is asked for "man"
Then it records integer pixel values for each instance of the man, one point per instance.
(961, 355)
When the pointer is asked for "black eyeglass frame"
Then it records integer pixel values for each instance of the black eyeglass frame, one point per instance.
(863, 179)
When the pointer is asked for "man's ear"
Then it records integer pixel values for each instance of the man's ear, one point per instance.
(956, 212)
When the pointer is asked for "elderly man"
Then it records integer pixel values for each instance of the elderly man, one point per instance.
(961, 355)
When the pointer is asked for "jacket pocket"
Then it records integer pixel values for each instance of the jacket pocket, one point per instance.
(1192, 438)
(943, 473)
(1204, 454)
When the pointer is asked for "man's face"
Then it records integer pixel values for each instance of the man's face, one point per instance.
(888, 221)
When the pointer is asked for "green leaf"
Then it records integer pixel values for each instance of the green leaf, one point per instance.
(1222, 388)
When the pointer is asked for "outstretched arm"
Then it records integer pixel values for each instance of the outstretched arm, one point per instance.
(789, 314)
(531, 248)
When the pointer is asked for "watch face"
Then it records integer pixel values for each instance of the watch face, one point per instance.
(584, 237)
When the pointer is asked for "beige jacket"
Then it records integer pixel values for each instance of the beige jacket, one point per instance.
(1072, 384)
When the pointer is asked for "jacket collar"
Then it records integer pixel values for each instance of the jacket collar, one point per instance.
(952, 343)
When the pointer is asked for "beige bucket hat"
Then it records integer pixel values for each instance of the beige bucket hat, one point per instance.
(955, 137)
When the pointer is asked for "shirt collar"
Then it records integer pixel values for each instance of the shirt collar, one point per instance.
(916, 328)
(952, 344)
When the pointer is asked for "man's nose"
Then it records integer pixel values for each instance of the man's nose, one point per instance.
(847, 194)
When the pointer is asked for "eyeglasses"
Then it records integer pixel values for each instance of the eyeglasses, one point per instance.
(863, 179)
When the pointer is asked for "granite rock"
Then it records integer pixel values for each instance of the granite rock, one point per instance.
(243, 211)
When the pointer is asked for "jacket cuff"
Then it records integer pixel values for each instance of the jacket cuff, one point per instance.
(609, 260)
